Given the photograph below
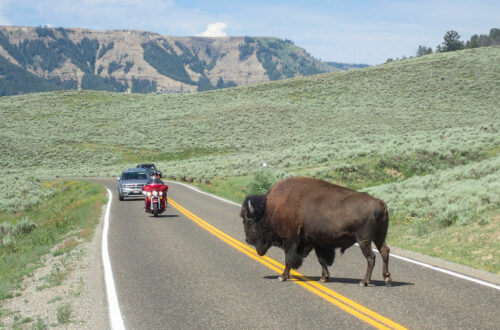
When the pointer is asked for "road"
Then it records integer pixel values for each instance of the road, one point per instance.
(190, 269)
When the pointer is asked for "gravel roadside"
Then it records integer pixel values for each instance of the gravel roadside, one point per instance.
(67, 292)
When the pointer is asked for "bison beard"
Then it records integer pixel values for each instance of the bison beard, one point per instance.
(302, 214)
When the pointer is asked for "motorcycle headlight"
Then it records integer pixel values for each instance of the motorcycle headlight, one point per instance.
(149, 193)
(155, 193)
(161, 193)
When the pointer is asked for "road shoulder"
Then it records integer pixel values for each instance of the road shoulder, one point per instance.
(66, 292)
(447, 265)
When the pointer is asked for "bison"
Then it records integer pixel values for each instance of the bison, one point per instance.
(301, 214)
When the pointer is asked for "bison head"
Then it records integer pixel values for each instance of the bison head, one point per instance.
(257, 232)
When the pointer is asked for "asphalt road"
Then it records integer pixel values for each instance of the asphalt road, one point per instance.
(171, 273)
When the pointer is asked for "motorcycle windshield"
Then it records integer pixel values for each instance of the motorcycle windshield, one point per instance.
(157, 187)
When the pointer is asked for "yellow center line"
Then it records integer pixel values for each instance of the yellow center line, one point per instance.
(376, 320)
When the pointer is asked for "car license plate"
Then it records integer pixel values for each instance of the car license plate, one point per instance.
(137, 191)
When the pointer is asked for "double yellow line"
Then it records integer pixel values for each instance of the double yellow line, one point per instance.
(376, 320)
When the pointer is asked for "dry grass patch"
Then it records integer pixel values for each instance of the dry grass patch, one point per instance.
(66, 246)
(86, 233)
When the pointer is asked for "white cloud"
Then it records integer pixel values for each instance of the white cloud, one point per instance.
(214, 30)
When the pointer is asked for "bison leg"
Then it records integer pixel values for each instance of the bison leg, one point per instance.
(285, 275)
(370, 258)
(384, 252)
(325, 258)
(293, 259)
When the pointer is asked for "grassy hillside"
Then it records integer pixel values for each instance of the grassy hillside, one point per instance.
(421, 134)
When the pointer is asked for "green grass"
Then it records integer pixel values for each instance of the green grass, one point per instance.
(474, 244)
(75, 205)
(137, 156)
(64, 313)
(232, 188)
(39, 324)
(422, 134)
(55, 278)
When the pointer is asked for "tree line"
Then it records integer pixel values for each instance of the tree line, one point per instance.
(451, 42)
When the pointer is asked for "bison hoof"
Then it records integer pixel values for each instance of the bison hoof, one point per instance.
(324, 279)
(282, 278)
(388, 281)
(363, 283)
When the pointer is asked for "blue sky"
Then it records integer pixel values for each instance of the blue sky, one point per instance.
(343, 31)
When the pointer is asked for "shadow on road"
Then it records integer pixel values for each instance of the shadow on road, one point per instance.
(341, 280)
(164, 216)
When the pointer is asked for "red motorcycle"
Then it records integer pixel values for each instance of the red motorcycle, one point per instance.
(155, 201)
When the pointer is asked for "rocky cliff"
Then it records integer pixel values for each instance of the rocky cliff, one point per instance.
(41, 58)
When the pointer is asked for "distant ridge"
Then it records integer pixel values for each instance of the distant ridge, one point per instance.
(34, 59)
(347, 66)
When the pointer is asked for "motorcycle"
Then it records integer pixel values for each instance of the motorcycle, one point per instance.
(155, 200)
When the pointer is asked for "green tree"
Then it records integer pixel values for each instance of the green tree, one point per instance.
(423, 50)
(495, 36)
(484, 40)
(222, 84)
(452, 42)
(473, 42)
(204, 84)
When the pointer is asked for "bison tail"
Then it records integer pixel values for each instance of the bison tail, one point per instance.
(383, 224)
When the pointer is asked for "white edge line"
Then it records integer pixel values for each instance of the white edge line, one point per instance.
(423, 264)
(449, 272)
(205, 193)
(115, 316)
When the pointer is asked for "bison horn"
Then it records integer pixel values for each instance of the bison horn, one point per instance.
(250, 208)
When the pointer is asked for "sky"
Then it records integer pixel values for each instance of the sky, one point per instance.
(364, 31)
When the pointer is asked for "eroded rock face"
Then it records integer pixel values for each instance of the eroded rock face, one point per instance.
(139, 61)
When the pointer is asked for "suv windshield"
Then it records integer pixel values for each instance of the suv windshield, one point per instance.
(134, 176)
(148, 166)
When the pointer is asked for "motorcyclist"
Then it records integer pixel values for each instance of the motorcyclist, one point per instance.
(155, 180)
(155, 183)
(156, 175)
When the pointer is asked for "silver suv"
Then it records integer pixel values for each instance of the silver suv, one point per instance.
(131, 181)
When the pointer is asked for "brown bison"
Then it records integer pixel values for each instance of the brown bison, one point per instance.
(301, 214)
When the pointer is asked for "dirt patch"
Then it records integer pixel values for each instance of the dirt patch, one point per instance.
(392, 172)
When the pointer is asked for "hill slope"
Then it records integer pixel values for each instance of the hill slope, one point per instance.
(137, 61)
(423, 134)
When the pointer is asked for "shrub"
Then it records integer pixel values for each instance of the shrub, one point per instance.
(262, 182)
(9, 231)
(25, 226)
(6, 228)
(8, 240)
